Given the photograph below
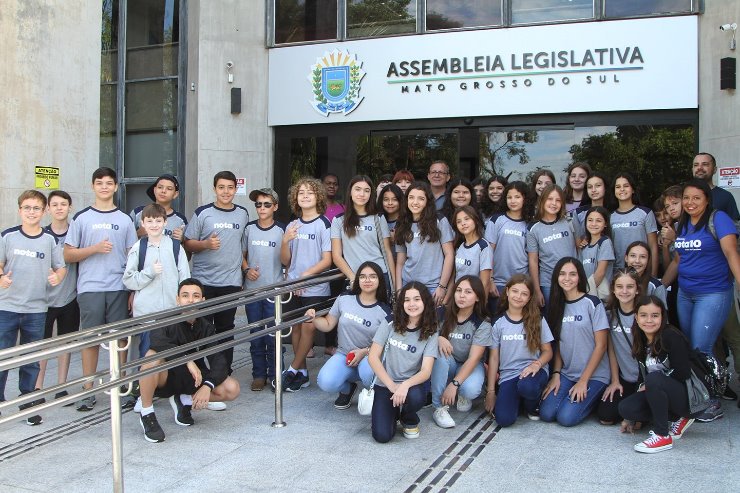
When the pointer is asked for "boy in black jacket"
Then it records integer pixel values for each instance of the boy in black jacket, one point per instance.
(190, 386)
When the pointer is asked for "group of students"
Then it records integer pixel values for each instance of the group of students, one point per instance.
(450, 253)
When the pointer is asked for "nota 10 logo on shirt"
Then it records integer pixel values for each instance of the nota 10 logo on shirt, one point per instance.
(28, 253)
(114, 227)
(572, 318)
(225, 226)
(401, 345)
(357, 319)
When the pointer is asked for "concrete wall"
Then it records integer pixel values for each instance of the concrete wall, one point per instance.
(228, 30)
(50, 97)
(719, 111)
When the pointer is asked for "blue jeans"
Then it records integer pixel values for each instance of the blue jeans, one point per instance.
(336, 375)
(31, 328)
(546, 294)
(559, 407)
(702, 316)
(511, 391)
(262, 349)
(493, 302)
(445, 369)
(384, 415)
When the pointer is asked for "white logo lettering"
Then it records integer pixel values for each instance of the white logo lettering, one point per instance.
(225, 226)
(357, 319)
(28, 253)
(572, 318)
(461, 336)
(687, 244)
(462, 261)
(401, 345)
(306, 236)
(512, 337)
(114, 227)
(556, 236)
(513, 232)
(629, 224)
(264, 243)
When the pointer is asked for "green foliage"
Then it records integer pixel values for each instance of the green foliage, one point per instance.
(495, 146)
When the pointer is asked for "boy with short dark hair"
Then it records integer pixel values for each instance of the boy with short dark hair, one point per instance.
(163, 191)
(98, 240)
(29, 260)
(63, 308)
(214, 237)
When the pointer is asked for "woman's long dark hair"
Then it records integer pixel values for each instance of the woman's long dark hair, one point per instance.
(473, 214)
(400, 197)
(607, 233)
(479, 309)
(639, 340)
(684, 220)
(543, 198)
(645, 276)
(531, 315)
(612, 304)
(428, 230)
(381, 294)
(428, 323)
(488, 206)
(449, 208)
(529, 198)
(633, 184)
(608, 197)
(536, 177)
(557, 299)
(568, 190)
(351, 217)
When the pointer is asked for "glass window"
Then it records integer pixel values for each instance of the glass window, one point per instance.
(108, 125)
(443, 14)
(109, 42)
(371, 18)
(531, 11)
(626, 8)
(305, 20)
(152, 35)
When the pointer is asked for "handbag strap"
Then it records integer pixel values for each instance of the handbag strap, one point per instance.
(382, 358)
(382, 254)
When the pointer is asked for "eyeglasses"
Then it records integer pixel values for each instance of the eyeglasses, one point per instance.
(368, 277)
(259, 205)
(438, 172)
(28, 208)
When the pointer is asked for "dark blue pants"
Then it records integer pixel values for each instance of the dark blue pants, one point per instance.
(263, 348)
(512, 391)
(384, 415)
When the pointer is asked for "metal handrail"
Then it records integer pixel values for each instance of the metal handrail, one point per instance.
(126, 329)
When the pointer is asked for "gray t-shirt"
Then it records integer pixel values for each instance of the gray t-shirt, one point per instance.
(222, 267)
(656, 288)
(28, 259)
(174, 220)
(314, 238)
(63, 293)
(472, 259)
(363, 246)
(621, 338)
(155, 292)
(101, 272)
(508, 237)
(466, 334)
(633, 225)
(510, 339)
(591, 255)
(424, 260)
(579, 221)
(581, 319)
(263, 251)
(405, 352)
(551, 242)
(357, 323)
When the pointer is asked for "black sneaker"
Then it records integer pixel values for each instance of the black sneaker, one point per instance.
(288, 377)
(344, 401)
(182, 412)
(35, 419)
(128, 402)
(729, 394)
(152, 431)
(298, 382)
(86, 404)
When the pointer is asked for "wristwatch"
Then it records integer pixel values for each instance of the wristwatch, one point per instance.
(456, 383)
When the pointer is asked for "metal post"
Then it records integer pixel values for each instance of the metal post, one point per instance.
(115, 417)
(278, 423)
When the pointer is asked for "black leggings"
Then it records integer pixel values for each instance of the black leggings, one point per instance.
(664, 399)
(608, 411)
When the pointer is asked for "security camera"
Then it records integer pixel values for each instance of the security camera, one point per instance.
(229, 65)
(728, 27)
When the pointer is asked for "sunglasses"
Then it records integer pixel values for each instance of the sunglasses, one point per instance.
(259, 205)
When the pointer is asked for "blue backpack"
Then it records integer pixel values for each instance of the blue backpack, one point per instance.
(142, 251)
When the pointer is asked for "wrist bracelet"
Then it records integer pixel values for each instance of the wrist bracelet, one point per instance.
(556, 371)
(443, 287)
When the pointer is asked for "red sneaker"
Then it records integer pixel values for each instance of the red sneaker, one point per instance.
(655, 443)
(678, 428)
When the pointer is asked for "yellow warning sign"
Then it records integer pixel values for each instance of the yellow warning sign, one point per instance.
(47, 177)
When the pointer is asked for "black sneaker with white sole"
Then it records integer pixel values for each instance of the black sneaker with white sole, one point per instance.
(35, 419)
(344, 401)
(729, 394)
(152, 431)
(298, 382)
(182, 411)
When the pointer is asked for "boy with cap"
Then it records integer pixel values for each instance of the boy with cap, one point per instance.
(261, 265)
(30, 258)
(163, 192)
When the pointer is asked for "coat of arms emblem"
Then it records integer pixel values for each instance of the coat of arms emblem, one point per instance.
(336, 80)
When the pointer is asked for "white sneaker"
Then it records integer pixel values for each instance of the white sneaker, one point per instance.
(464, 405)
(216, 406)
(137, 406)
(442, 417)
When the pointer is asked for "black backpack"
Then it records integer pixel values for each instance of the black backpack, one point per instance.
(143, 242)
(713, 373)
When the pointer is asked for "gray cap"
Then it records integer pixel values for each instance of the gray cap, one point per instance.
(263, 191)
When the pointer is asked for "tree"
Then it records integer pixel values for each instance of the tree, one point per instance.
(495, 146)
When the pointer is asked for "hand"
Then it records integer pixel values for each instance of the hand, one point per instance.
(531, 370)
(53, 278)
(253, 273)
(399, 395)
(131, 302)
(582, 242)
(667, 234)
(540, 298)
(157, 266)
(359, 355)
(445, 346)
(310, 313)
(292, 232)
(490, 402)
(6, 280)
(448, 396)
(494, 291)
(104, 246)
(202, 397)
(178, 232)
(195, 373)
(214, 242)
(610, 390)
(439, 296)
(553, 385)
(578, 392)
